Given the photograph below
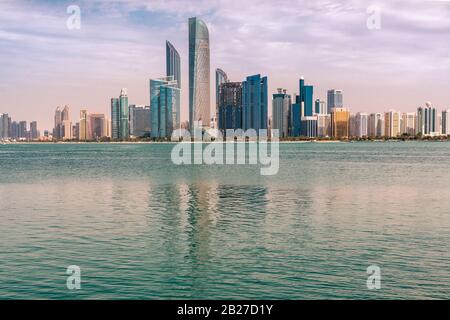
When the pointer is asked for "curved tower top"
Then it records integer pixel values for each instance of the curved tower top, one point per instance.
(173, 63)
(199, 73)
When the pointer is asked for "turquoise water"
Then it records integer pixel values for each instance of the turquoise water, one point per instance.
(140, 227)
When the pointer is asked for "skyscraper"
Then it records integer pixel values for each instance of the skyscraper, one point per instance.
(83, 132)
(254, 102)
(199, 73)
(115, 118)
(361, 125)
(376, 125)
(5, 126)
(140, 120)
(305, 98)
(66, 124)
(173, 68)
(408, 123)
(335, 99)
(319, 107)
(446, 122)
(34, 134)
(340, 123)
(427, 120)
(230, 106)
(124, 130)
(392, 121)
(281, 106)
(163, 93)
(221, 77)
(58, 124)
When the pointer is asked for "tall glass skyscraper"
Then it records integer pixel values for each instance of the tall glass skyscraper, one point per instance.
(281, 106)
(199, 73)
(124, 115)
(305, 97)
(221, 77)
(173, 69)
(115, 119)
(335, 99)
(230, 106)
(163, 99)
(254, 102)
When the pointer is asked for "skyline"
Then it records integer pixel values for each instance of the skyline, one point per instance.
(84, 68)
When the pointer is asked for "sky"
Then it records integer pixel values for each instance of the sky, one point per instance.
(387, 54)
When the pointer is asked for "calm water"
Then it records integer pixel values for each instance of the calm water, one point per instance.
(140, 227)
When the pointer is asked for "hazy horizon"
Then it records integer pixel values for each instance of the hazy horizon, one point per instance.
(121, 44)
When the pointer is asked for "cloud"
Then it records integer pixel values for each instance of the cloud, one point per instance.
(121, 44)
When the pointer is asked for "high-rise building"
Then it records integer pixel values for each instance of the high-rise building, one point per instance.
(408, 123)
(376, 125)
(23, 133)
(254, 103)
(340, 123)
(295, 119)
(361, 125)
(221, 77)
(140, 120)
(446, 122)
(66, 132)
(173, 68)
(115, 119)
(163, 95)
(199, 73)
(120, 117)
(335, 99)
(124, 130)
(5, 126)
(320, 107)
(14, 130)
(392, 124)
(323, 125)
(97, 126)
(305, 98)
(84, 126)
(308, 127)
(58, 124)
(230, 106)
(427, 120)
(281, 106)
(34, 133)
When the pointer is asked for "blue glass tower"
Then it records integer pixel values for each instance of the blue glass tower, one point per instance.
(254, 102)
(173, 69)
(163, 99)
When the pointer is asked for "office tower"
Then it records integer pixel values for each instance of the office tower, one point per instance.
(305, 98)
(23, 130)
(66, 125)
(34, 134)
(140, 120)
(199, 73)
(427, 119)
(5, 126)
(163, 95)
(340, 123)
(230, 106)
(446, 122)
(308, 127)
(281, 106)
(124, 130)
(352, 125)
(295, 119)
(361, 125)
(408, 123)
(375, 125)
(115, 118)
(173, 63)
(173, 68)
(392, 121)
(14, 130)
(76, 130)
(254, 103)
(221, 77)
(319, 107)
(323, 125)
(335, 99)
(83, 131)
(97, 126)
(58, 124)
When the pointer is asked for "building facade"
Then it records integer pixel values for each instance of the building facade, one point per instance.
(340, 123)
(163, 98)
(254, 103)
(281, 106)
(335, 99)
(230, 106)
(199, 73)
